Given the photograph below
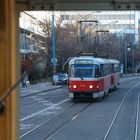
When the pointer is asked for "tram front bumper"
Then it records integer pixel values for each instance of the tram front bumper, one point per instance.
(83, 94)
(98, 94)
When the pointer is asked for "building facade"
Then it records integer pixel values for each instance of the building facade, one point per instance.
(114, 21)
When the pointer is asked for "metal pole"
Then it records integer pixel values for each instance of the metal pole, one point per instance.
(108, 46)
(125, 57)
(133, 57)
(53, 49)
(133, 50)
(81, 31)
(24, 55)
(81, 37)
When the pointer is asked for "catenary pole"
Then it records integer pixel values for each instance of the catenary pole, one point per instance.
(53, 46)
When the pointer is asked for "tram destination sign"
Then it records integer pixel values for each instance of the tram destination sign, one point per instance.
(83, 61)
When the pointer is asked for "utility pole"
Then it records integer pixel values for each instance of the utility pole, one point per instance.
(81, 31)
(24, 42)
(133, 49)
(133, 59)
(54, 60)
(104, 33)
(125, 56)
(95, 43)
(81, 36)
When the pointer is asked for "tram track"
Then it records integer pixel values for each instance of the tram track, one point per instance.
(75, 116)
(69, 110)
(137, 118)
(118, 111)
(56, 130)
(52, 118)
(33, 129)
(43, 110)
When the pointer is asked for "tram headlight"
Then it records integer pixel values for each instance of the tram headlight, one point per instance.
(91, 86)
(74, 86)
(97, 86)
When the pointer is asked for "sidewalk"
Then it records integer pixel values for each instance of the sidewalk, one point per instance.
(130, 75)
(38, 88)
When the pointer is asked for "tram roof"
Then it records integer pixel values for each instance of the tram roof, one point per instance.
(95, 60)
(114, 61)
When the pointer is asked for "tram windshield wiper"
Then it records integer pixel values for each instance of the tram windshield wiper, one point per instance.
(81, 78)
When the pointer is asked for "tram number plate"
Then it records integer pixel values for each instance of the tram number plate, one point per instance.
(82, 85)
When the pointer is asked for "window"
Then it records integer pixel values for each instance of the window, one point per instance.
(103, 16)
(84, 71)
(118, 17)
(64, 17)
(97, 71)
(114, 16)
(111, 68)
(108, 17)
(102, 71)
(116, 68)
(106, 69)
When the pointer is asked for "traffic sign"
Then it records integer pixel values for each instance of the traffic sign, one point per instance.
(122, 66)
(54, 60)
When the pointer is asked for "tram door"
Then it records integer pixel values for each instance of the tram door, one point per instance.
(8, 73)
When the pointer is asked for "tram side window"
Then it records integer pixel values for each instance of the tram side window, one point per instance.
(106, 69)
(72, 71)
(109, 69)
(116, 68)
(112, 68)
(102, 71)
(97, 71)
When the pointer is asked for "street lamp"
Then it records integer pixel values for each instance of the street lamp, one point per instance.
(129, 47)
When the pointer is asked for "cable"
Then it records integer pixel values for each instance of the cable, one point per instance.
(7, 93)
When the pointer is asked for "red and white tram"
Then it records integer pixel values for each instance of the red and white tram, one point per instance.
(92, 77)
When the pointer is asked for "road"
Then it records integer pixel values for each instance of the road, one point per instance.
(52, 115)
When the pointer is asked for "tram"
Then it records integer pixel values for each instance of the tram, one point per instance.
(92, 77)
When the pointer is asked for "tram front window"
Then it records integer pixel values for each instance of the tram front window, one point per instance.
(83, 71)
